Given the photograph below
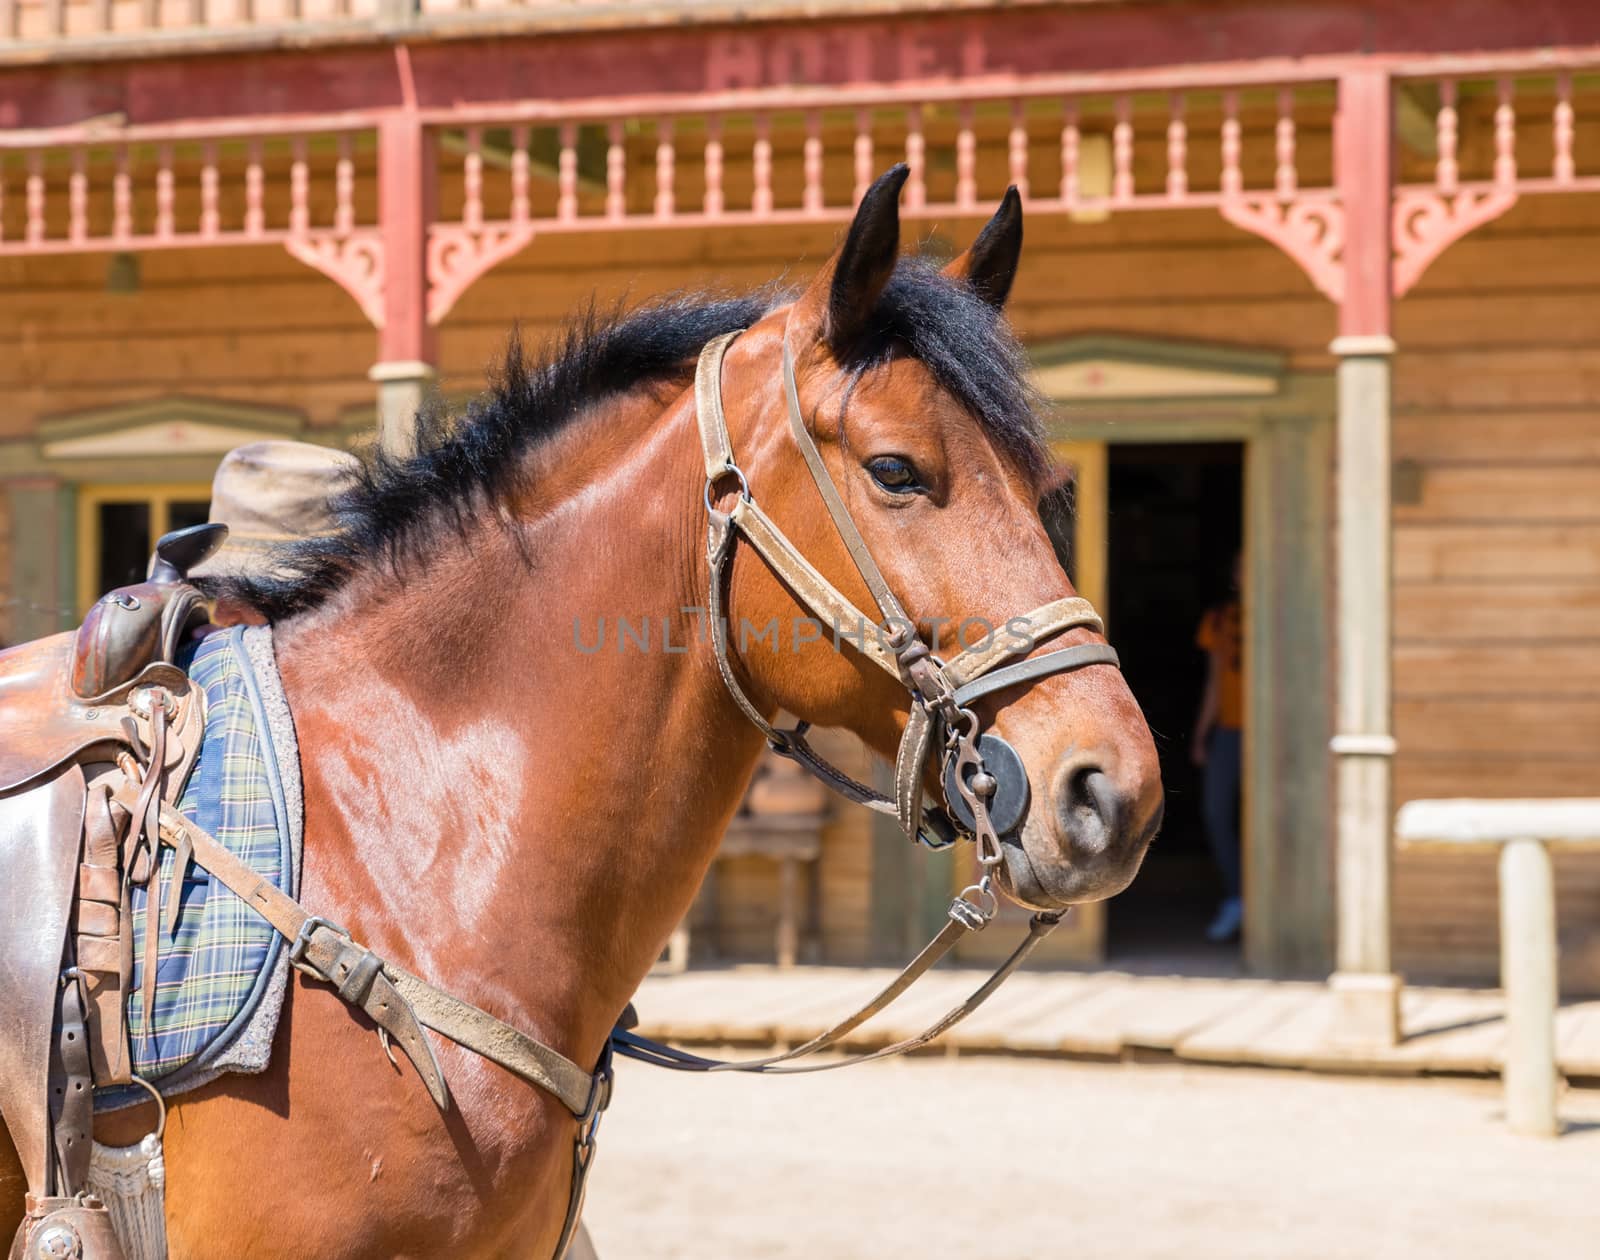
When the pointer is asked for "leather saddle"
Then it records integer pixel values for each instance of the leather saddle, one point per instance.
(84, 717)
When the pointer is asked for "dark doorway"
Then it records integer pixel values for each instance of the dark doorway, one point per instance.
(1175, 525)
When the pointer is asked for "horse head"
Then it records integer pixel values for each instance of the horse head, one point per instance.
(914, 391)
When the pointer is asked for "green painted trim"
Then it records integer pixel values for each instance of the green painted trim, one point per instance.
(1066, 426)
(889, 886)
(25, 457)
(1288, 797)
(22, 460)
(938, 880)
(1303, 398)
(67, 555)
(360, 422)
(269, 421)
(909, 889)
(38, 534)
(1154, 352)
(352, 431)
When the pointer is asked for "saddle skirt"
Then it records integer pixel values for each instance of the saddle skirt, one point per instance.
(221, 974)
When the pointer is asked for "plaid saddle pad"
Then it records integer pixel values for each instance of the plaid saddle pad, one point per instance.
(213, 971)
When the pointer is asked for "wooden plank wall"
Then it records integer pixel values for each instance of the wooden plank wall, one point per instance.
(249, 324)
(1497, 565)
(1498, 420)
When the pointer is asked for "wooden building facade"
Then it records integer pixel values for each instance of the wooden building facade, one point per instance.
(1356, 244)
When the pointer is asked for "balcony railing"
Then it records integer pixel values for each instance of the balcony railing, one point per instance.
(130, 27)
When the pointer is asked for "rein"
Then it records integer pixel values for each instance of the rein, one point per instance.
(977, 766)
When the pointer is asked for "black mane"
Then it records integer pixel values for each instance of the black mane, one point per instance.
(396, 505)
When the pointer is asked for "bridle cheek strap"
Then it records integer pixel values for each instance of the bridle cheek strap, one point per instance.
(837, 615)
(892, 613)
(788, 741)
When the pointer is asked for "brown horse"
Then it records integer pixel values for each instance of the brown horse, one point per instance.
(522, 820)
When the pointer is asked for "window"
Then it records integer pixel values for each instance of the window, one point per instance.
(118, 527)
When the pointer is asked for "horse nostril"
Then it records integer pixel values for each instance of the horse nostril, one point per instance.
(1089, 809)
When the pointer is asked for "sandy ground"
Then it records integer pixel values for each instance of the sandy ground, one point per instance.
(978, 1158)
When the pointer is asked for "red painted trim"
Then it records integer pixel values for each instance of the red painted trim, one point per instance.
(458, 256)
(98, 132)
(1309, 228)
(354, 261)
(1198, 42)
(1363, 162)
(407, 197)
(1426, 224)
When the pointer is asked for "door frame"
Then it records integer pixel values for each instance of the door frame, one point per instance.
(1287, 822)
(1107, 389)
(160, 495)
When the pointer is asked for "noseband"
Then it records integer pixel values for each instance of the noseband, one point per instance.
(985, 783)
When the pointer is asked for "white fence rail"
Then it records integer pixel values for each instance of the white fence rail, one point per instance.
(1524, 830)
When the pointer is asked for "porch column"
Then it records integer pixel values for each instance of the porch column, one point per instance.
(1366, 989)
(406, 344)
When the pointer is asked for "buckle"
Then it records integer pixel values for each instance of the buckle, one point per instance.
(302, 942)
(975, 905)
(599, 1100)
(786, 743)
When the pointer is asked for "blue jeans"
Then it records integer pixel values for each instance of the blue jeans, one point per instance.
(1219, 804)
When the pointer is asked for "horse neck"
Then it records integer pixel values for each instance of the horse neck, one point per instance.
(522, 821)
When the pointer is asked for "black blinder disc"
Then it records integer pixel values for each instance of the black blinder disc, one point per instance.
(1009, 804)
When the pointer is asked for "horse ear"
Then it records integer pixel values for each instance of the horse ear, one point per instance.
(990, 265)
(840, 299)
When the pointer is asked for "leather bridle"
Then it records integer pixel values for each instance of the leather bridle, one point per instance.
(977, 765)
(942, 692)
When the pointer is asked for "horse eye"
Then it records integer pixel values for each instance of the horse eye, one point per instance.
(894, 474)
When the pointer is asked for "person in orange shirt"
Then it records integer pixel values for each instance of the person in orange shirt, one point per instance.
(1217, 749)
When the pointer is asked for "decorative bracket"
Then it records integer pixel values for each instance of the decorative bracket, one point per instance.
(1426, 224)
(458, 255)
(354, 260)
(1310, 229)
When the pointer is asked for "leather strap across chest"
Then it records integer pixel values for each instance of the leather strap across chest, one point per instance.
(402, 1004)
(396, 1000)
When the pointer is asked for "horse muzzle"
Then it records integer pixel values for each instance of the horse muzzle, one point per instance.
(1087, 838)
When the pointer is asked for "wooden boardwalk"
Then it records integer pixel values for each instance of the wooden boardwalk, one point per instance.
(1104, 1014)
